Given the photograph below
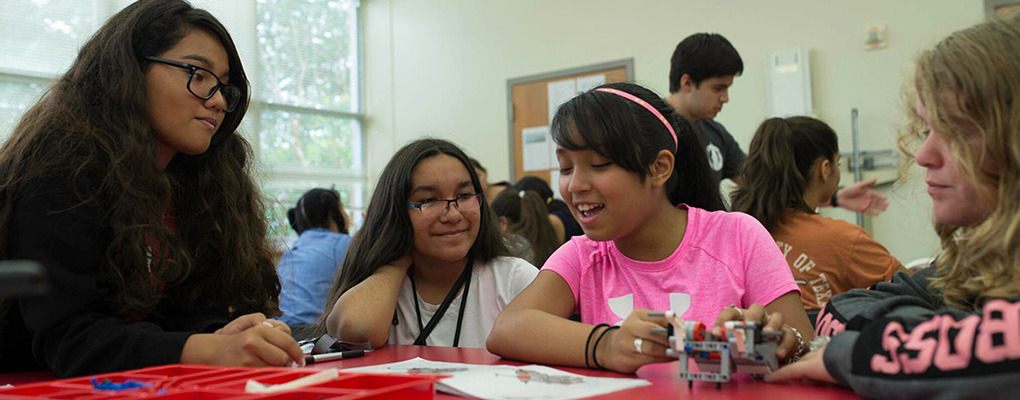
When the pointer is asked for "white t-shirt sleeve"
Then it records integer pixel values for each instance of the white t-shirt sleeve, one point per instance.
(519, 274)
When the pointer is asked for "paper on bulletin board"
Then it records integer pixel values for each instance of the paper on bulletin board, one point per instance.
(554, 175)
(553, 163)
(560, 92)
(586, 83)
(535, 146)
(554, 182)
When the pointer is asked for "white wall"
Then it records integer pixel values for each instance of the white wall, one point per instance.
(440, 67)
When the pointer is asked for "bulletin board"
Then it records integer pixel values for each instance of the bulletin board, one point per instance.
(1001, 8)
(531, 103)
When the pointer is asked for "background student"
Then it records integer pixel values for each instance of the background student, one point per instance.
(655, 239)
(523, 216)
(490, 190)
(562, 221)
(428, 266)
(951, 330)
(129, 183)
(793, 166)
(701, 71)
(307, 269)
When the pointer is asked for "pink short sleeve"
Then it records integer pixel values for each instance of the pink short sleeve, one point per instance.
(566, 262)
(767, 276)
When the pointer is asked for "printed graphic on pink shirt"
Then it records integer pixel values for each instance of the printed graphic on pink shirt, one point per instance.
(622, 306)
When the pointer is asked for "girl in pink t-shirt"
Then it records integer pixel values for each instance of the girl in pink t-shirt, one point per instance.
(637, 179)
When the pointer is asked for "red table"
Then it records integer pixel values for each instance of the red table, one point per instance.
(20, 378)
(665, 383)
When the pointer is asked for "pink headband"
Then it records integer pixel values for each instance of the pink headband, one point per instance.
(642, 103)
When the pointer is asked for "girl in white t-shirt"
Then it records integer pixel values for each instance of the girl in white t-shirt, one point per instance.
(637, 179)
(428, 265)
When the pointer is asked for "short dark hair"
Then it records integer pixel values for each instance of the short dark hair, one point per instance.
(703, 56)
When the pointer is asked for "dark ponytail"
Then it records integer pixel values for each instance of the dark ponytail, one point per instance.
(632, 137)
(778, 167)
(529, 218)
(316, 209)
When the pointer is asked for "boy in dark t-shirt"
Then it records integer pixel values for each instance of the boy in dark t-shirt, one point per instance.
(701, 72)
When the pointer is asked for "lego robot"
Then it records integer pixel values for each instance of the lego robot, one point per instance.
(744, 348)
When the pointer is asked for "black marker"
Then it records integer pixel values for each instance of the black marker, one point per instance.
(340, 355)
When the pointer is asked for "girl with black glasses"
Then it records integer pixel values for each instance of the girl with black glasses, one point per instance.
(129, 183)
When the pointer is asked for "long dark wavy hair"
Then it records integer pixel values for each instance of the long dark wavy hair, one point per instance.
(625, 132)
(778, 167)
(93, 125)
(387, 234)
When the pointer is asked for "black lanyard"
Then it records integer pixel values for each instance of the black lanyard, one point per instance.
(465, 281)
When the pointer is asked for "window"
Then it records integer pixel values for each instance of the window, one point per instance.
(309, 103)
(302, 57)
(17, 94)
(55, 30)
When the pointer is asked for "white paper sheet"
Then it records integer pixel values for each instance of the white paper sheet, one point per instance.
(504, 382)
(553, 162)
(535, 145)
(554, 182)
(586, 83)
(560, 92)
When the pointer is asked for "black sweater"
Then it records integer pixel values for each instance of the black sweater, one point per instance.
(898, 341)
(72, 330)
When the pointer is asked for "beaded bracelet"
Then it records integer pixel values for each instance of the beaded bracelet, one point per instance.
(595, 348)
(587, 343)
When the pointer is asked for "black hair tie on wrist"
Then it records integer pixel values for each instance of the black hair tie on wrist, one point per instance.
(595, 348)
(587, 343)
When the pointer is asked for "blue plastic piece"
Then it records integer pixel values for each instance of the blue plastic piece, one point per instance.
(106, 384)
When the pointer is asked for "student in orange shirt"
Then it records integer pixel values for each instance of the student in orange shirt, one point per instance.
(792, 168)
